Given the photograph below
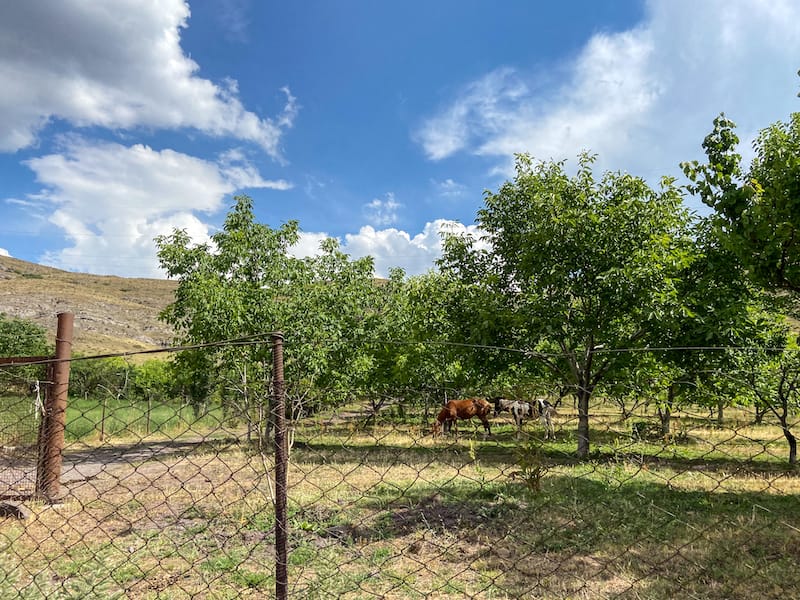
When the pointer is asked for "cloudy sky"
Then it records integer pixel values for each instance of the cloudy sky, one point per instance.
(378, 123)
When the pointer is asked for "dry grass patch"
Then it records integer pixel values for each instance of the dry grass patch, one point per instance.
(112, 314)
(387, 513)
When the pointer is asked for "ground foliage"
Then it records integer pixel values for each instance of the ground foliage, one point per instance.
(380, 509)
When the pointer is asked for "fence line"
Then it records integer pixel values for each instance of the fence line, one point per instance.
(355, 499)
(50, 434)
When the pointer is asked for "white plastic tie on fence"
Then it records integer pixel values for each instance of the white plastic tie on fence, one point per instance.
(38, 405)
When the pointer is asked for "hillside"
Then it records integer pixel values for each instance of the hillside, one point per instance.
(112, 314)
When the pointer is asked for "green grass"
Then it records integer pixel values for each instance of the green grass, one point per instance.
(87, 418)
(410, 527)
(19, 422)
(386, 511)
(664, 533)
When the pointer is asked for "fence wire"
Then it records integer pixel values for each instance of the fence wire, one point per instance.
(164, 497)
(21, 390)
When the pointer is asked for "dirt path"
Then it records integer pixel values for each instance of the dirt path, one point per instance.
(18, 470)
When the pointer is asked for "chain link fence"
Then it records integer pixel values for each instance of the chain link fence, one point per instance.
(21, 404)
(165, 497)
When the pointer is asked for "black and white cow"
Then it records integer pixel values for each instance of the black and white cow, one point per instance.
(520, 410)
(546, 412)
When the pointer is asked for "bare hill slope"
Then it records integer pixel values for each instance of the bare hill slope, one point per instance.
(112, 314)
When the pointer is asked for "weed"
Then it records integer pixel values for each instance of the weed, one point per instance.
(223, 562)
(532, 469)
(380, 556)
(302, 555)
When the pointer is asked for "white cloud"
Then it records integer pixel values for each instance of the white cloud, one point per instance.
(449, 188)
(481, 109)
(232, 16)
(382, 212)
(308, 244)
(4, 252)
(391, 247)
(642, 99)
(395, 248)
(116, 64)
(110, 201)
(241, 173)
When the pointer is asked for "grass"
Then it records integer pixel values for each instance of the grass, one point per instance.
(388, 512)
(19, 423)
(87, 419)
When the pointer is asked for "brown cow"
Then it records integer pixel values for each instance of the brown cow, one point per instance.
(462, 409)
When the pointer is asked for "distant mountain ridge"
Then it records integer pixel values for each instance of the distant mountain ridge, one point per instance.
(112, 314)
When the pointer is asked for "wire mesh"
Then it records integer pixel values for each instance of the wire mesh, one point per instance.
(165, 497)
(21, 393)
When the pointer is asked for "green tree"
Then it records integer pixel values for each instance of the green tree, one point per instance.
(427, 318)
(334, 312)
(20, 337)
(771, 379)
(720, 308)
(100, 378)
(575, 270)
(757, 213)
(412, 359)
(248, 283)
(153, 380)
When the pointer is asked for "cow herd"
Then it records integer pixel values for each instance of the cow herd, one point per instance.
(455, 410)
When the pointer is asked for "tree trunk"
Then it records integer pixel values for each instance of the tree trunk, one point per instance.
(720, 414)
(792, 445)
(583, 396)
(665, 414)
(760, 412)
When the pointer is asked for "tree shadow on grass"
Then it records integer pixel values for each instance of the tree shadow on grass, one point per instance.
(505, 450)
(582, 536)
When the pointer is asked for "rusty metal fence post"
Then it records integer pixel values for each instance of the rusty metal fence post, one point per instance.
(281, 468)
(51, 432)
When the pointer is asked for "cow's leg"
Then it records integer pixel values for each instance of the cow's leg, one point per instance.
(548, 425)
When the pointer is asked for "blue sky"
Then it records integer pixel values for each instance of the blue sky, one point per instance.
(378, 123)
